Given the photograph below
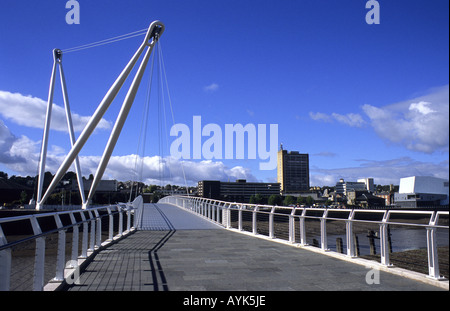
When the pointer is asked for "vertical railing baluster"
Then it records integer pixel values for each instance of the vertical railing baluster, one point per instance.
(75, 242)
(349, 235)
(384, 246)
(271, 215)
(255, 220)
(39, 258)
(323, 231)
(5, 264)
(61, 252)
(120, 220)
(98, 241)
(292, 226)
(129, 219)
(85, 238)
(91, 232)
(110, 225)
(240, 217)
(303, 228)
(433, 260)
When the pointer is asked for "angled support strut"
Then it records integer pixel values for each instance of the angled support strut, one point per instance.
(154, 32)
(57, 62)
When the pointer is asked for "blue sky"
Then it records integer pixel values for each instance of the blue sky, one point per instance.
(362, 100)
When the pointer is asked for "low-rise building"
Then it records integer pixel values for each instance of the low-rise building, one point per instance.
(342, 187)
(239, 191)
(422, 191)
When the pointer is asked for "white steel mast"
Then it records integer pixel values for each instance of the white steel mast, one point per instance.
(153, 34)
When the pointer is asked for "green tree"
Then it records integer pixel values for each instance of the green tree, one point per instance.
(23, 197)
(301, 200)
(274, 200)
(256, 199)
(289, 200)
(309, 200)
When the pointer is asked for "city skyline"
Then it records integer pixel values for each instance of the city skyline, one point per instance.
(362, 100)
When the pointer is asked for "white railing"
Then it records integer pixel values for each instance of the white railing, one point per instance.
(91, 230)
(296, 225)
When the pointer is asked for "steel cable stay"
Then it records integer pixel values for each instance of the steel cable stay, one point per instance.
(141, 145)
(105, 41)
(163, 140)
(163, 99)
(165, 82)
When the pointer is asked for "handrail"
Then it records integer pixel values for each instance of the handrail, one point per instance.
(211, 209)
(91, 222)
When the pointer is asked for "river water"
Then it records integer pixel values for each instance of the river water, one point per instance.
(402, 239)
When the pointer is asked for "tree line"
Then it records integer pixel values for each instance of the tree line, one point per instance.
(281, 200)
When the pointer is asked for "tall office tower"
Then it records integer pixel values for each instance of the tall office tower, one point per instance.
(293, 171)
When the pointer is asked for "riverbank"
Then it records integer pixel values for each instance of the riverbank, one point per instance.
(416, 260)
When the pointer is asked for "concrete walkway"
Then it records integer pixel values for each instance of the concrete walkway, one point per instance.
(180, 251)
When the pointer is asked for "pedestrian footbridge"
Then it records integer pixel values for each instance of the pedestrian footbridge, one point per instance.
(186, 244)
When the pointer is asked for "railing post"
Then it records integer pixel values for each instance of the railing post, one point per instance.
(98, 242)
(255, 220)
(271, 233)
(292, 226)
(214, 211)
(240, 217)
(75, 238)
(61, 252)
(323, 231)
(91, 232)
(302, 228)
(5, 264)
(349, 235)
(384, 239)
(110, 225)
(209, 209)
(85, 238)
(129, 219)
(39, 258)
(120, 220)
(433, 262)
(227, 216)
(218, 212)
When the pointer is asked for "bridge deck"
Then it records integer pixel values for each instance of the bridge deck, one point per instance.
(180, 251)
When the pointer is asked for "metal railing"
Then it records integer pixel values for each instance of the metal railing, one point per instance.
(91, 230)
(301, 225)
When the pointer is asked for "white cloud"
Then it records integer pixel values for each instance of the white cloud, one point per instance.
(350, 119)
(22, 156)
(30, 111)
(327, 154)
(420, 124)
(421, 107)
(384, 172)
(8, 142)
(211, 88)
(164, 170)
(319, 116)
